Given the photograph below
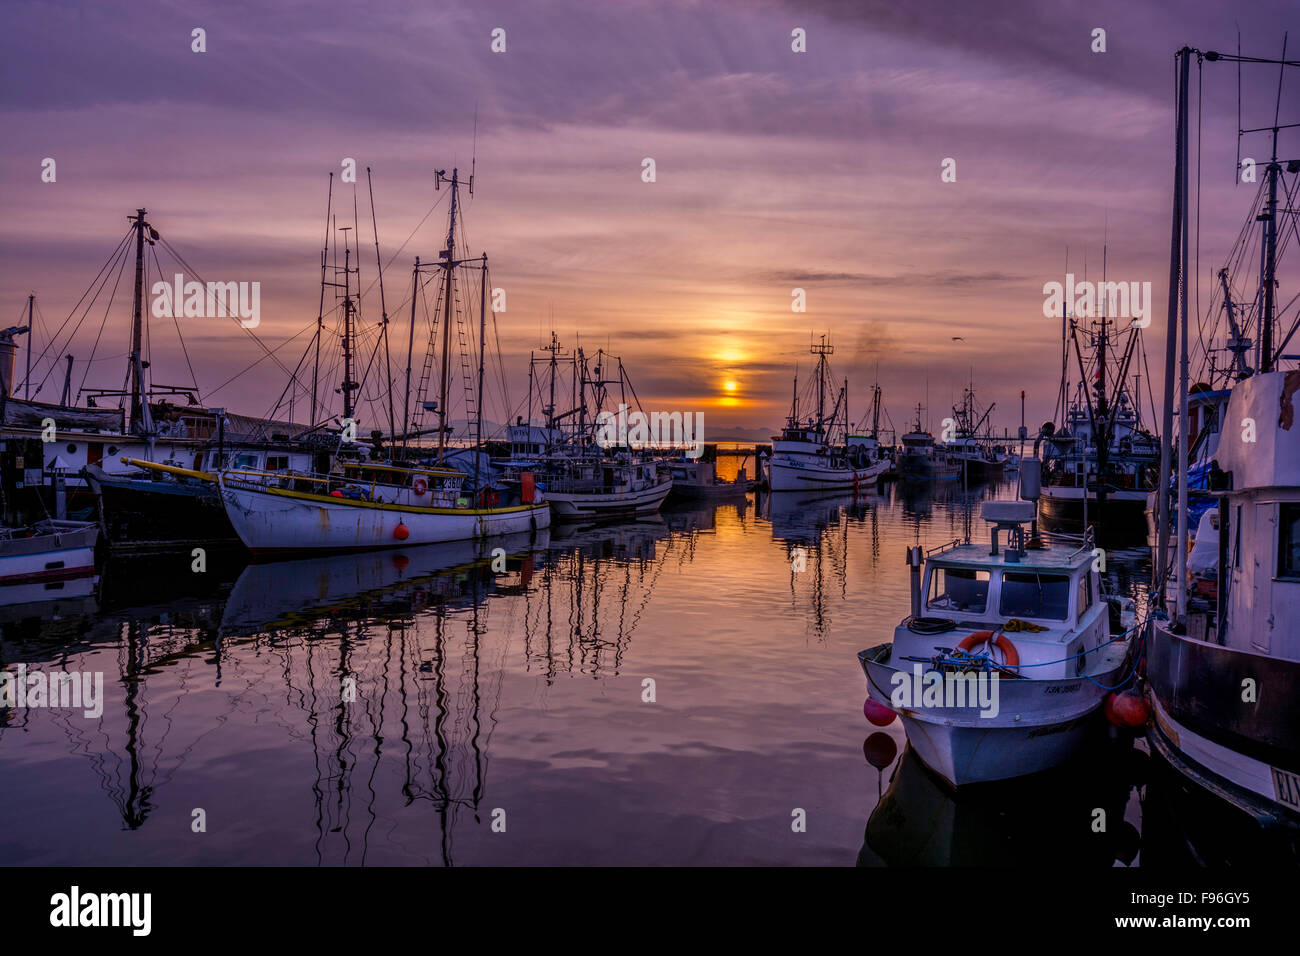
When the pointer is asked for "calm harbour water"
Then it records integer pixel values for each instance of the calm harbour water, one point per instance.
(513, 698)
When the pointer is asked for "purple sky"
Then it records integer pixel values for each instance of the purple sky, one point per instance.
(774, 170)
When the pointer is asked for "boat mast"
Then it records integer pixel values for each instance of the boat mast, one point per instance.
(1161, 569)
(410, 347)
(383, 310)
(449, 264)
(348, 386)
(320, 318)
(821, 351)
(478, 403)
(1100, 425)
(27, 382)
(137, 326)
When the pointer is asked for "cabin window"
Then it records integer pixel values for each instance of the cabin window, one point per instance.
(246, 461)
(277, 462)
(959, 589)
(1031, 594)
(1288, 552)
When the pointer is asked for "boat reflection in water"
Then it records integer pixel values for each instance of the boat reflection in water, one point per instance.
(290, 593)
(1051, 819)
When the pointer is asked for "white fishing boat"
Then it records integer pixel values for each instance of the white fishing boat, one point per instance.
(379, 507)
(815, 453)
(1007, 657)
(608, 488)
(47, 550)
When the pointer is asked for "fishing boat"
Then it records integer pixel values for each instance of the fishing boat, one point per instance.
(1002, 667)
(366, 504)
(695, 479)
(920, 458)
(584, 474)
(605, 486)
(1102, 462)
(975, 456)
(1223, 667)
(47, 550)
(815, 453)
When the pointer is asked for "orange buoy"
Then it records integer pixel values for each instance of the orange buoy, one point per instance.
(1000, 641)
(401, 532)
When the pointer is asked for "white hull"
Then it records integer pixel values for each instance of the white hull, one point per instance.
(788, 476)
(595, 504)
(1040, 724)
(57, 550)
(268, 520)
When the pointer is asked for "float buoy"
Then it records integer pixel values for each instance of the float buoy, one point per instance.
(880, 750)
(336, 493)
(401, 532)
(420, 486)
(1000, 641)
(878, 713)
(1128, 709)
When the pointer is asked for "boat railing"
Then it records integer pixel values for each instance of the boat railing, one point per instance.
(954, 543)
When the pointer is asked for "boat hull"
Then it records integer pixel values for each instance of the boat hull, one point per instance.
(63, 552)
(783, 476)
(143, 514)
(576, 505)
(273, 521)
(1062, 508)
(1246, 752)
(1040, 724)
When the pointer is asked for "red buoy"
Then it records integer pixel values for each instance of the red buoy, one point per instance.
(400, 561)
(1128, 709)
(401, 532)
(880, 750)
(878, 713)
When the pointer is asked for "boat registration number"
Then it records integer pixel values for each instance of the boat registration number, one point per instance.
(1286, 786)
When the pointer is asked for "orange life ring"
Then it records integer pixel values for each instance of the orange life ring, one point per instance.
(1000, 641)
(420, 485)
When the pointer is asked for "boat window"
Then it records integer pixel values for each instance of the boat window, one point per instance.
(277, 462)
(246, 460)
(1085, 592)
(1289, 547)
(1032, 594)
(959, 589)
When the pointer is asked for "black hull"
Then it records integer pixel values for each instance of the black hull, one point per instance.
(975, 470)
(142, 515)
(1124, 522)
(925, 470)
(1200, 686)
